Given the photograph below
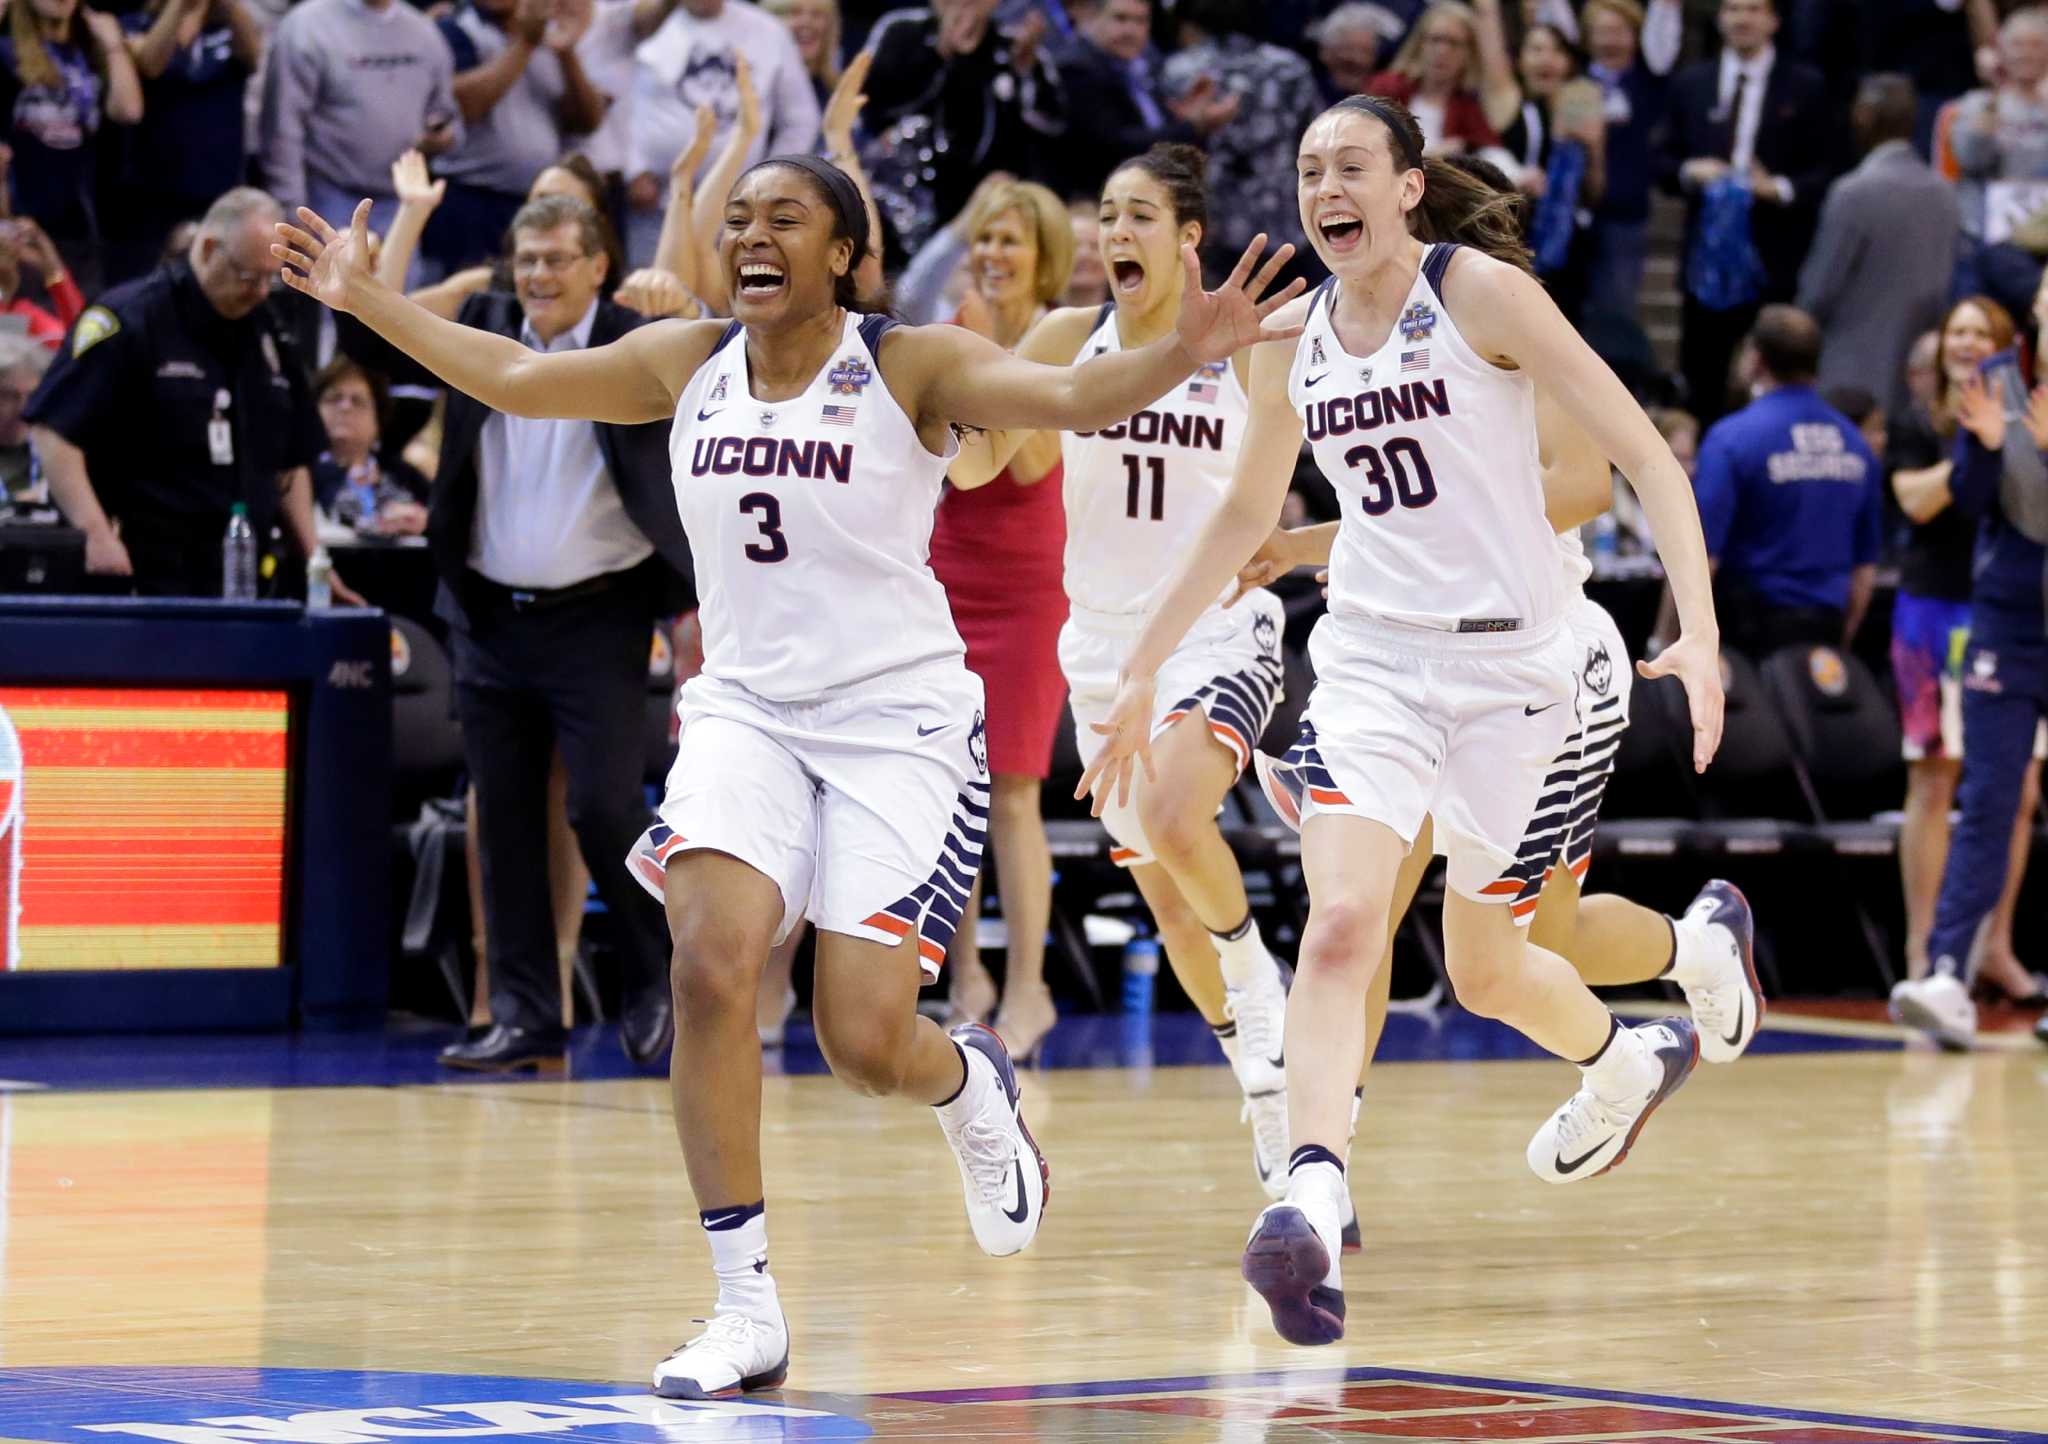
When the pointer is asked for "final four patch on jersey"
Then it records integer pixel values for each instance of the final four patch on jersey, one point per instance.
(1418, 321)
(93, 327)
(850, 377)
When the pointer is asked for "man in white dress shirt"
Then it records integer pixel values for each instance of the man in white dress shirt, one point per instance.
(1758, 120)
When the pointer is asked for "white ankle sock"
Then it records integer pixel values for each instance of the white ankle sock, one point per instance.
(1694, 951)
(1624, 1071)
(1242, 953)
(962, 1105)
(739, 1256)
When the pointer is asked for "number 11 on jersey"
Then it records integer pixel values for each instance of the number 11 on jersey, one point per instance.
(1157, 466)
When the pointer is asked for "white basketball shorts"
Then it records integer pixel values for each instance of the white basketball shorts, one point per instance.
(1408, 722)
(1228, 665)
(868, 809)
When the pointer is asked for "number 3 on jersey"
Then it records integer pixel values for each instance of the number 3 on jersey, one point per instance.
(1387, 476)
(773, 546)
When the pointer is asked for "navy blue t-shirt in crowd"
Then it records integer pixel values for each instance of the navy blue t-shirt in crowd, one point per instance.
(54, 131)
(191, 147)
(1791, 499)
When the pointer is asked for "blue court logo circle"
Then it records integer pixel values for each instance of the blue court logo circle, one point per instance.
(336, 1406)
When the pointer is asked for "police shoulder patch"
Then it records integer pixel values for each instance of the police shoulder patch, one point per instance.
(93, 327)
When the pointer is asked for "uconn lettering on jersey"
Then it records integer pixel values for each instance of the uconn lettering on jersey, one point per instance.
(1380, 406)
(1203, 433)
(772, 456)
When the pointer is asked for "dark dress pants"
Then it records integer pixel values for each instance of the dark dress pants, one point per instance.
(572, 675)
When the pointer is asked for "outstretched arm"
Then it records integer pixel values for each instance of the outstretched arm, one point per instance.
(957, 376)
(635, 378)
(1513, 321)
(1054, 341)
(1258, 488)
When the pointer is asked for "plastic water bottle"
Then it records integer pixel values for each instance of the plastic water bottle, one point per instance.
(1141, 969)
(320, 579)
(238, 557)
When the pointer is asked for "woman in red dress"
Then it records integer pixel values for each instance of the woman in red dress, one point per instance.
(997, 549)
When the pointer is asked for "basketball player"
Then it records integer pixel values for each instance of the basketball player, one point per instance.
(832, 763)
(1445, 676)
(1710, 950)
(1137, 493)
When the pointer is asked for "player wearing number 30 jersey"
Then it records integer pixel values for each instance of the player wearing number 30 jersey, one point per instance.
(832, 762)
(1444, 675)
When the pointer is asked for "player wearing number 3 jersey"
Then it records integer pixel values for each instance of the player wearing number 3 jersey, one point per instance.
(1445, 677)
(1137, 494)
(833, 762)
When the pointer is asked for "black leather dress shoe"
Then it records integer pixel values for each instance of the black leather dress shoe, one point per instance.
(648, 1030)
(499, 1050)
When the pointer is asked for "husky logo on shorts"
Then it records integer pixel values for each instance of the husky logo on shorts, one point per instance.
(977, 744)
(1266, 634)
(1599, 669)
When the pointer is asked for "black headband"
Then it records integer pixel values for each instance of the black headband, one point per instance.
(839, 190)
(1380, 111)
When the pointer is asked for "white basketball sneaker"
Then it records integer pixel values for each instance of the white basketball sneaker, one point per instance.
(1260, 1011)
(736, 1353)
(1005, 1176)
(1590, 1133)
(1939, 1006)
(1716, 969)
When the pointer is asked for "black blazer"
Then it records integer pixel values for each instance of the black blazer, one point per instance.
(636, 456)
(1795, 138)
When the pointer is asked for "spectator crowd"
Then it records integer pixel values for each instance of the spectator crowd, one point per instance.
(1854, 221)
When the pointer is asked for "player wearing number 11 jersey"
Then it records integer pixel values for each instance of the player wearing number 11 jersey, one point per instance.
(1444, 675)
(1137, 494)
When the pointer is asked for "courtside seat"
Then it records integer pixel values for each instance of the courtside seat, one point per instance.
(1845, 743)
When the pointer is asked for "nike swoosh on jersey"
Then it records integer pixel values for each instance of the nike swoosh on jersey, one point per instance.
(1312, 380)
(707, 415)
(1528, 711)
(924, 731)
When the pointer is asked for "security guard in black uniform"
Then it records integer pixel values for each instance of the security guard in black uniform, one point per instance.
(176, 396)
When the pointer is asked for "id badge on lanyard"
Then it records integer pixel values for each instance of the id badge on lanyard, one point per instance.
(220, 433)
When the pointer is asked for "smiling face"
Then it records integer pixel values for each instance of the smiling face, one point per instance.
(1141, 240)
(556, 275)
(812, 25)
(1354, 197)
(1966, 340)
(780, 258)
(1004, 256)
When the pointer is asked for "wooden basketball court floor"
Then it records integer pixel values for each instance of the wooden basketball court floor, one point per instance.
(1839, 1245)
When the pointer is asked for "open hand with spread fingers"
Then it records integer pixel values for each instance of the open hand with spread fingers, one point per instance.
(1696, 663)
(1981, 413)
(333, 267)
(1127, 736)
(1214, 325)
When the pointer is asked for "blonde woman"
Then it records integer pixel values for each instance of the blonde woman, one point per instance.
(814, 26)
(1438, 73)
(997, 550)
(63, 72)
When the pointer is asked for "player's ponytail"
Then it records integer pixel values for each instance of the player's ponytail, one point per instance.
(1462, 202)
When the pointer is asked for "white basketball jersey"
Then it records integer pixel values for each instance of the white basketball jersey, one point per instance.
(1138, 492)
(810, 523)
(1578, 567)
(1432, 450)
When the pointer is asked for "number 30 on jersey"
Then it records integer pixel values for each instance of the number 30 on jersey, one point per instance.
(1395, 472)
